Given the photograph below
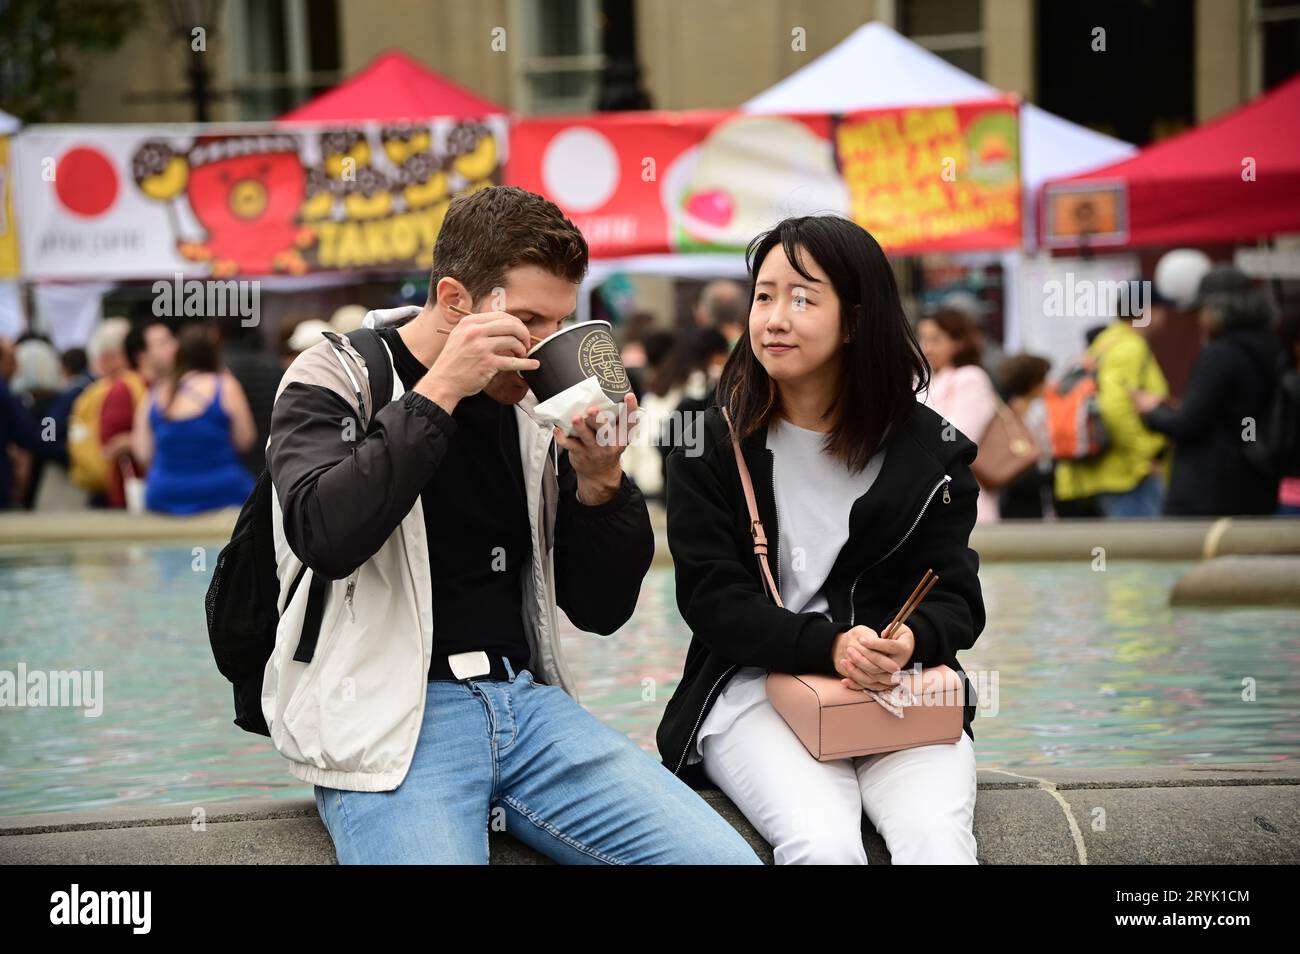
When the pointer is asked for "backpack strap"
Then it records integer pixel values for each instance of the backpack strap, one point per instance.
(755, 524)
(311, 617)
(379, 368)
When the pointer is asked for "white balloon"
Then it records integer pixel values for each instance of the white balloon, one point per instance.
(1179, 274)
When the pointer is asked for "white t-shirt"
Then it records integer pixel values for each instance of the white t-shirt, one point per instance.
(814, 494)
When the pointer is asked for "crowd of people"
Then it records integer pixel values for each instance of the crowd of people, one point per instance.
(147, 416)
(173, 419)
(1226, 447)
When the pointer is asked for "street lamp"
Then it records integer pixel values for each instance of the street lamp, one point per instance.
(193, 23)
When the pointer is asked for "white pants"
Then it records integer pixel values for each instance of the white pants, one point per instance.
(921, 800)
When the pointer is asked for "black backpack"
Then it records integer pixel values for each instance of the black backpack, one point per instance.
(1275, 452)
(242, 603)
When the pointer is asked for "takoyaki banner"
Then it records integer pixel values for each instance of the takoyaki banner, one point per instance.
(251, 199)
(926, 179)
(8, 233)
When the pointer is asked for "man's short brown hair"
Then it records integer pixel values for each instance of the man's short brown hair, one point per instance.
(490, 231)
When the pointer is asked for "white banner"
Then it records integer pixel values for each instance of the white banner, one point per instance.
(145, 202)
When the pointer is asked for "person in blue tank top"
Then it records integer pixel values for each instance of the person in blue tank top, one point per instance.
(192, 429)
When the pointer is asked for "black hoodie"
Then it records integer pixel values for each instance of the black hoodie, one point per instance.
(918, 514)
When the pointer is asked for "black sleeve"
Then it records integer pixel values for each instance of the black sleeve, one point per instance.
(342, 491)
(718, 589)
(1209, 390)
(602, 553)
(952, 614)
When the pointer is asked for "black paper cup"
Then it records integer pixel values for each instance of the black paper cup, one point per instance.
(574, 354)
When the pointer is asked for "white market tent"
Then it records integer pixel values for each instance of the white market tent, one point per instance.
(877, 68)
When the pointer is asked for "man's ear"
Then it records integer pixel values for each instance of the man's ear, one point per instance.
(450, 291)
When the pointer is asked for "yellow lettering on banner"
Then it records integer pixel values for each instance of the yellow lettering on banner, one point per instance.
(430, 224)
(924, 161)
(327, 237)
(351, 247)
(917, 125)
(894, 166)
(878, 132)
(405, 238)
(377, 245)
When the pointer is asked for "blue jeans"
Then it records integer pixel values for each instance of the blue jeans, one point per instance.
(526, 757)
(1144, 500)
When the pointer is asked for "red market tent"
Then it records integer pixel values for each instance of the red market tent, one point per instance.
(1234, 178)
(391, 89)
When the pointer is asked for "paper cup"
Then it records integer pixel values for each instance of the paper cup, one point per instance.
(576, 353)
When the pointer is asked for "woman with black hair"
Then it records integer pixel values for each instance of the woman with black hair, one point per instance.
(861, 489)
(1228, 394)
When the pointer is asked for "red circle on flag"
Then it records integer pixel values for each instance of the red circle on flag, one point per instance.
(85, 181)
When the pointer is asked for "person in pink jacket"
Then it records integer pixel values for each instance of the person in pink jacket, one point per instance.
(960, 389)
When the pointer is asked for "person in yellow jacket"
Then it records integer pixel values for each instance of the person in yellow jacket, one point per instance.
(1126, 478)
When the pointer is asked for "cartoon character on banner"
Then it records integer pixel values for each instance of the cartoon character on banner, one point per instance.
(473, 152)
(245, 192)
(420, 173)
(356, 182)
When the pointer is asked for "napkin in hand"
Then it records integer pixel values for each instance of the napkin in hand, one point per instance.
(559, 410)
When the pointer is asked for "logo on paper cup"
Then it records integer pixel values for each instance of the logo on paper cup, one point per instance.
(598, 355)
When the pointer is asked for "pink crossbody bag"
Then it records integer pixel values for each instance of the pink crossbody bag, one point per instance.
(835, 722)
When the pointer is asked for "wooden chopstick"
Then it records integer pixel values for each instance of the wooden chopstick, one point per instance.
(446, 331)
(927, 582)
(911, 600)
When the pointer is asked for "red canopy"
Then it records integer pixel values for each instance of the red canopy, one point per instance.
(391, 89)
(1197, 187)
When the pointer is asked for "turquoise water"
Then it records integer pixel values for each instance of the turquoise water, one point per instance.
(1092, 669)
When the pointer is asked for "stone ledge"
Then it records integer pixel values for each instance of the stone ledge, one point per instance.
(1229, 814)
(1164, 539)
(1240, 580)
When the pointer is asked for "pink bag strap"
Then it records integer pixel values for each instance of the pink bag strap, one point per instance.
(755, 524)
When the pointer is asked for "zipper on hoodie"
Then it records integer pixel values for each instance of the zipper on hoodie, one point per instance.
(947, 498)
(774, 542)
(700, 718)
(347, 597)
